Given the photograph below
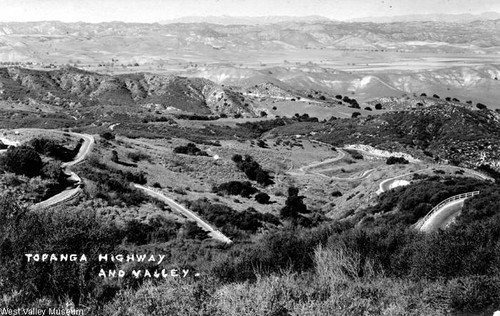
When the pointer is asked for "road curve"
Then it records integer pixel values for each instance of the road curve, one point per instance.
(385, 185)
(341, 155)
(69, 193)
(443, 217)
(304, 169)
(444, 213)
(88, 142)
(216, 234)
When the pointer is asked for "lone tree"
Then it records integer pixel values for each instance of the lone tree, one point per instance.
(481, 106)
(294, 206)
(23, 160)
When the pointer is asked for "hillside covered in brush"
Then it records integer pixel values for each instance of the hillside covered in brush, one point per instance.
(70, 87)
(444, 132)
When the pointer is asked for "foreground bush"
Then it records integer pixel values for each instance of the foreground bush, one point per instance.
(332, 288)
(22, 160)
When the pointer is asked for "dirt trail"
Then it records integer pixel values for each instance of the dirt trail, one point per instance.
(216, 234)
(88, 142)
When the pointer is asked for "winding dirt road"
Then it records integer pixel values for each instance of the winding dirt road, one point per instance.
(388, 184)
(305, 169)
(216, 234)
(69, 193)
(88, 142)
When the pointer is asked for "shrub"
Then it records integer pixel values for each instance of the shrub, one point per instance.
(22, 160)
(50, 148)
(336, 193)
(396, 160)
(245, 189)
(262, 198)
(190, 149)
(354, 154)
(107, 135)
(481, 106)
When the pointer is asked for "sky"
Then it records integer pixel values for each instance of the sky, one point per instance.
(149, 11)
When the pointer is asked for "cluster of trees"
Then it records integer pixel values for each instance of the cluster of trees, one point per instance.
(252, 169)
(396, 160)
(353, 103)
(190, 149)
(304, 118)
(51, 148)
(23, 160)
(244, 189)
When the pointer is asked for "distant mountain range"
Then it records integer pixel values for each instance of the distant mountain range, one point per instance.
(245, 20)
(262, 20)
(451, 18)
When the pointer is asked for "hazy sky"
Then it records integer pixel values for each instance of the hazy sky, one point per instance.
(157, 10)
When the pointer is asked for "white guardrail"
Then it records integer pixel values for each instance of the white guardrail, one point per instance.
(436, 208)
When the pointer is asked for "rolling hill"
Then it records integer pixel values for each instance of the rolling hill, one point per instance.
(70, 87)
(445, 132)
(123, 43)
